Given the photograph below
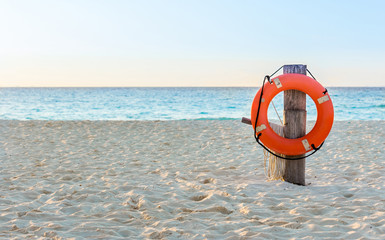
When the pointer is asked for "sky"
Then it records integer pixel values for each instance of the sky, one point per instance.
(95, 43)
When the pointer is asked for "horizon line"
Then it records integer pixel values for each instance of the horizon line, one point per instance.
(170, 86)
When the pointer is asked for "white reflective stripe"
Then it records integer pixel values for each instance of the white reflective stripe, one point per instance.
(277, 82)
(306, 144)
(260, 128)
(323, 99)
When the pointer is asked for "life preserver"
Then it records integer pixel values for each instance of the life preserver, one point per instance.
(321, 129)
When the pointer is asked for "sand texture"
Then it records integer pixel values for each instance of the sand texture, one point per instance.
(183, 180)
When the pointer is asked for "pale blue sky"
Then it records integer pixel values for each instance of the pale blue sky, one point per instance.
(189, 43)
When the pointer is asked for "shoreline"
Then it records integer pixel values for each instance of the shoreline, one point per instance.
(173, 120)
(183, 179)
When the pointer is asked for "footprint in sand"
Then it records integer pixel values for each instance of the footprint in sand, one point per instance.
(198, 198)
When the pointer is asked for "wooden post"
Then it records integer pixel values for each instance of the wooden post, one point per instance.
(294, 118)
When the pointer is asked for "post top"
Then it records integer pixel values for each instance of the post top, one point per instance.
(294, 65)
(295, 68)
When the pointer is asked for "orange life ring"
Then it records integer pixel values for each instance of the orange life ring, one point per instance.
(321, 129)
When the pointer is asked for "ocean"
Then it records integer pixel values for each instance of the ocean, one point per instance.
(350, 103)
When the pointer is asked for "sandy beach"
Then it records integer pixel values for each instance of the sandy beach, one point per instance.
(183, 180)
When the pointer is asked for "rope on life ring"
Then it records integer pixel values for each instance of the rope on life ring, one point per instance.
(274, 143)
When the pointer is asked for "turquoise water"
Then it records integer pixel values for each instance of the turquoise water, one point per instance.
(170, 103)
